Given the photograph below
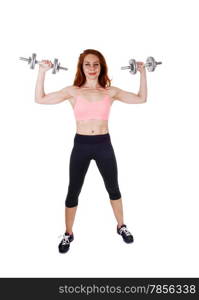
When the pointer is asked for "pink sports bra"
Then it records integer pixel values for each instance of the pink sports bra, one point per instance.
(85, 110)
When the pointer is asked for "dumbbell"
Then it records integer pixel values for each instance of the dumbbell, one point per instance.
(150, 65)
(32, 61)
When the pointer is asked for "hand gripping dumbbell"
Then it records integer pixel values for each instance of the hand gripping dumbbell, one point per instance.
(150, 65)
(32, 61)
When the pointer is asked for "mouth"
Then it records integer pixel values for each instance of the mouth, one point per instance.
(92, 74)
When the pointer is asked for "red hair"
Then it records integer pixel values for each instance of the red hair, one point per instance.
(80, 77)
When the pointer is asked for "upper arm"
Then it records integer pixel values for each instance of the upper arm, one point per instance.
(56, 97)
(126, 97)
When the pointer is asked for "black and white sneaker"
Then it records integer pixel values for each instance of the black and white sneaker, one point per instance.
(64, 245)
(125, 233)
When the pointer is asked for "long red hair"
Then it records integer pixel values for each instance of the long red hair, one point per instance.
(80, 77)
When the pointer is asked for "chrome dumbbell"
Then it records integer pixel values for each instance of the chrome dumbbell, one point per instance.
(32, 61)
(150, 64)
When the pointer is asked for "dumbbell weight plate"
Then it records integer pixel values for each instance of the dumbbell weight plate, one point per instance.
(33, 61)
(133, 66)
(150, 64)
(55, 66)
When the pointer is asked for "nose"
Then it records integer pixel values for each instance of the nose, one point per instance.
(92, 68)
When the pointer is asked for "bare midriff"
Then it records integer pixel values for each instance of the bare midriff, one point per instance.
(91, 126)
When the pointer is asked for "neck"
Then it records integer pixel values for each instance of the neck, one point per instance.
(92, 84)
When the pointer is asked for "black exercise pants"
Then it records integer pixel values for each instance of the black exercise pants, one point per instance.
(85, 148)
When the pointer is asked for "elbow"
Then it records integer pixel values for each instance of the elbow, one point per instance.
(143, 99)
(38, 101)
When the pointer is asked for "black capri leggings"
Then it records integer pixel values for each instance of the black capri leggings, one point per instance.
(85, 148)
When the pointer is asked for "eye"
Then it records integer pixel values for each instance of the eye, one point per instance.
(89, 64)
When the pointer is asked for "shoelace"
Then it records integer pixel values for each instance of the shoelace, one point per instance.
(123, 229)
(65, 239)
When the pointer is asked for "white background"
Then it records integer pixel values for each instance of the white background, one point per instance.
(156, 143)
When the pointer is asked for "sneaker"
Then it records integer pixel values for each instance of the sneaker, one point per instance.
(64, 245)
(125, 233)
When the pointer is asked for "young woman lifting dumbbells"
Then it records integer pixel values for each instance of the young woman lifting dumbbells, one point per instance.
(91, 97)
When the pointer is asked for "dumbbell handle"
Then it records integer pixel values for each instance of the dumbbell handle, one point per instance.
(124, 68)
(149, 64)
(146, 65)
(40, 62)
(23, 58)
(63, 68)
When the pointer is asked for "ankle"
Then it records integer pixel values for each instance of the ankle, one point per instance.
(69, 232)
(119, 225)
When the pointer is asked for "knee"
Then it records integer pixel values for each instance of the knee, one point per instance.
(72, 195)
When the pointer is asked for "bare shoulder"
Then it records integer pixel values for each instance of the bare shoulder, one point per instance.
(74, 90)
(114, 91)
(69, 91)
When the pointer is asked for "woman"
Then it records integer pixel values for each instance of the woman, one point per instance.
(91, 97)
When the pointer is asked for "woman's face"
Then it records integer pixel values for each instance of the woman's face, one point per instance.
(91, 66)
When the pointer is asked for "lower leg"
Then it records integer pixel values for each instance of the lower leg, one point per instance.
(69, 218)
(118, 211)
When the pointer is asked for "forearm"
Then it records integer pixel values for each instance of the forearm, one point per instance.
(39, 89)
(143, 86)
